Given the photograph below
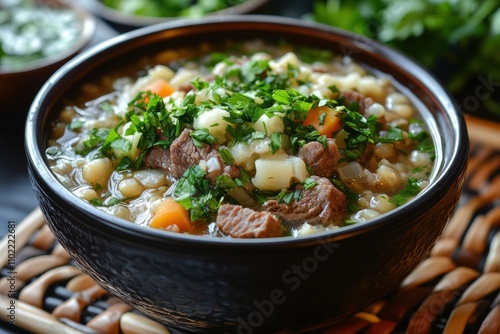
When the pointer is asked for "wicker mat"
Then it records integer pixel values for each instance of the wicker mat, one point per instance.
(455, 290)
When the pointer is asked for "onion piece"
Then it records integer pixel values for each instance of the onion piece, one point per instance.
(350, 170)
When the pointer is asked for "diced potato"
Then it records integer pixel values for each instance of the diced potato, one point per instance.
(133, 139)
(370, 87)
(243, 156)
(327, 80)
(261, 146)
(273, 173)
(212, 121)
(155, 204)
(350, 81)
(270, 124)
(220, 68)
(299, 168)
(161, 72)
(97, 171)
(182, 76)
(174, 99)
(259, 55)
(281, 64)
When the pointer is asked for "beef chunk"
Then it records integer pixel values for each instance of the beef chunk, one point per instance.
(158, 158)
(321, 160)
(323, 204)
(239, 222)
(353, 96)
(185, 154)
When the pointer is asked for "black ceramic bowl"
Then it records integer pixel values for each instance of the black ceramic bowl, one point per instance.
(220, 285)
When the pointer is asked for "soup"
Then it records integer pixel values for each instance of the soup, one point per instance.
(263, 141)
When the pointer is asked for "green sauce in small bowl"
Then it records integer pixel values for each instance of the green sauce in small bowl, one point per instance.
(30, 32)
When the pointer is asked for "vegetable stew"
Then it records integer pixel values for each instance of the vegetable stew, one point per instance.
(262, 141)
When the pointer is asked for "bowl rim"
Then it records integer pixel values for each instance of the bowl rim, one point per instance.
(105, 223)
(117, 17)
(88, 29)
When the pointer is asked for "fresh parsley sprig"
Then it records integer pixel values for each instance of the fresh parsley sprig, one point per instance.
(361, 131)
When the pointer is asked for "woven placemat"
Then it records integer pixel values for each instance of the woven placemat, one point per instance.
(455, 290)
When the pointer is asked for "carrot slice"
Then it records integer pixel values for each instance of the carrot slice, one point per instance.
(171, 213)
(324, 120)
(160, 87)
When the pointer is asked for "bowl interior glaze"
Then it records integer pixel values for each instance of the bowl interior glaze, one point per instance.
(214, 285)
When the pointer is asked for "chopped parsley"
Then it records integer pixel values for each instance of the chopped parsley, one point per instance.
(96, 138)
(309, 183)
(276, 142)
(226, 156)
(202, 136)
(289, 196)
(361, 131)
(394, 134)
(194, 192)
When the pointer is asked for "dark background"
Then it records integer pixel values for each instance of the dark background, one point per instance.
(16, 195)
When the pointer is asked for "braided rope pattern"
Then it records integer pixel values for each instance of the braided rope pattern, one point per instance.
(457, 288)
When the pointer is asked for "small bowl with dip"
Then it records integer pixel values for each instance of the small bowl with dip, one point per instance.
(36, 38)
